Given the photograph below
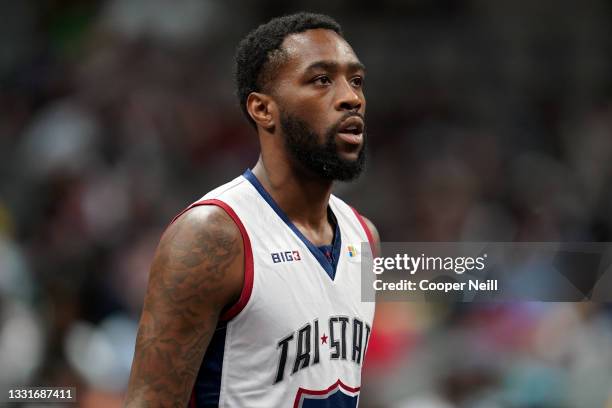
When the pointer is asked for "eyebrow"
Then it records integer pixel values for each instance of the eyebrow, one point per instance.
(334, 66)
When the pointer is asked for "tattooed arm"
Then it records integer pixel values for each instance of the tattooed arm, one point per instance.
(198, 270)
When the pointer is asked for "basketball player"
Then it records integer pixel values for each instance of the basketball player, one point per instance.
(254, 292)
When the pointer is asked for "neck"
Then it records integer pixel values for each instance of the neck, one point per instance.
(304, 199)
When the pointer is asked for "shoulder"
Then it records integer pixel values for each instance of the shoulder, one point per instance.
(203, 221)
(201, 253)
(365, 222)
(372, 228)
(374, 232)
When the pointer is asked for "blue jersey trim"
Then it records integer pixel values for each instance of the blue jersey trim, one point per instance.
(329, 267)
(207, 387)
(335, 400)
(335, 247)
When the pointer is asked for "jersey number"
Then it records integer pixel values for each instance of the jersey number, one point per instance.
(338, 395)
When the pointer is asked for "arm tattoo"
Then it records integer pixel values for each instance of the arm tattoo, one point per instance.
(184, 298)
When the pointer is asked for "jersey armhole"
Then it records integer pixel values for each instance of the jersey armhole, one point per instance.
(247, 287)
(368, 233)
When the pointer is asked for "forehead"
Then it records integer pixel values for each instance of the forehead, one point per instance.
(303, 49)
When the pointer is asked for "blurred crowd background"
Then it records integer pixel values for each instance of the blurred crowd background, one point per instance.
(487, 120)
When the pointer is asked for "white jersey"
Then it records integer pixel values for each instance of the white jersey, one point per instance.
(298, 335)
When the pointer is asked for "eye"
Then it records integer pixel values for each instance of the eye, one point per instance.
(357, 81)
(322, 80)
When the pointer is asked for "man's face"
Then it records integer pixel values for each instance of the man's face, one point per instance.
(319, 90)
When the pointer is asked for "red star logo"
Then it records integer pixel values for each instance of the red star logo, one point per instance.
(323, 339)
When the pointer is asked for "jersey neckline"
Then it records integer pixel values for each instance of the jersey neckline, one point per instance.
(329, 267)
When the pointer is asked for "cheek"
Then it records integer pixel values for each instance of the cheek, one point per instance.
(312, 107)
(314, 116)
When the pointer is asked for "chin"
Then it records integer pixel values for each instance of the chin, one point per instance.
(351, 157)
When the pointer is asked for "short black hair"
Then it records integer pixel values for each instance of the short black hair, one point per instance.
(259, 54)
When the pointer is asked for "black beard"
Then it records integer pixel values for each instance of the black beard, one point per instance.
(322, 160)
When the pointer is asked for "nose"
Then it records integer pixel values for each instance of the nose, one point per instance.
(348, 98)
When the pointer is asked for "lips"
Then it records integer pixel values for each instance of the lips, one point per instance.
(351, 130)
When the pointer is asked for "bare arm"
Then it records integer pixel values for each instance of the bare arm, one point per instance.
(198, 270)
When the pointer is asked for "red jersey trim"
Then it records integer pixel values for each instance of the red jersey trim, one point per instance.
(247, 288)
(367, 231)
(337, 384)
(192, 400)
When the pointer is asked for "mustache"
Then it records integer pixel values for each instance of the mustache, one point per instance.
(334, 128)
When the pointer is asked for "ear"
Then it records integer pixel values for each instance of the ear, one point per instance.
(262, 110)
